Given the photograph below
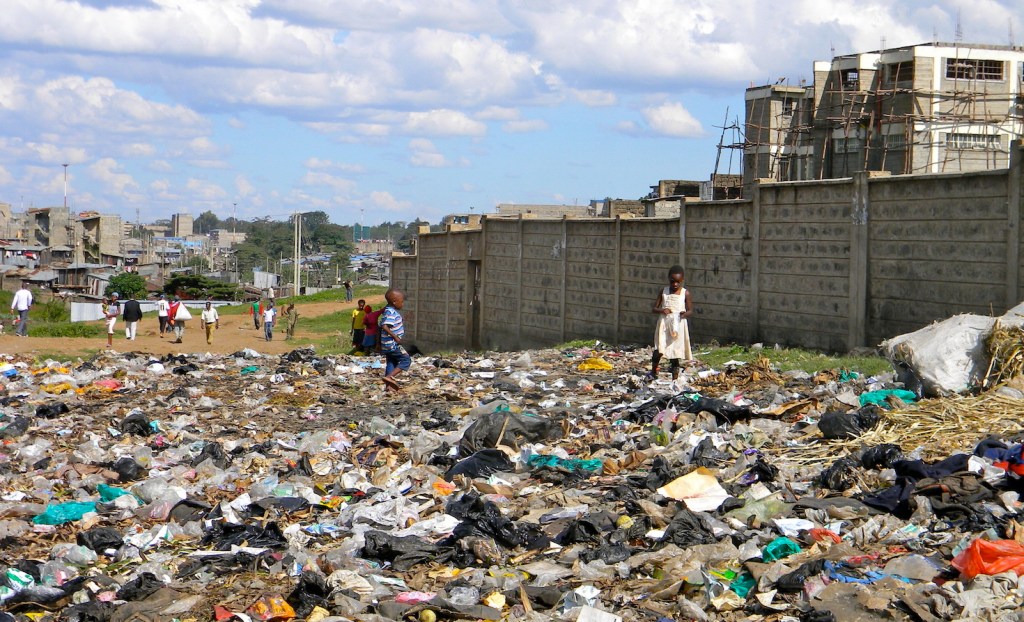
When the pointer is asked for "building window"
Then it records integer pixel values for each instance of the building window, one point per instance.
(895, 142)
(899, 75)
(847, 145)
(961, 141)
(850, 78)
(788, 107)
(970, 69)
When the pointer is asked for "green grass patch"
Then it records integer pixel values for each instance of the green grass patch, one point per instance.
(64, 329)
(71, 357)
(577, 343)
(334, 295)
(788, 359)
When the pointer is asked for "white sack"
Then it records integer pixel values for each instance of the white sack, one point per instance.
(948, 356)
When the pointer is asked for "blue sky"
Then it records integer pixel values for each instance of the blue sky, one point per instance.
(399, 109)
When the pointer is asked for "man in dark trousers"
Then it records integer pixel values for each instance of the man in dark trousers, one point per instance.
(132, 314)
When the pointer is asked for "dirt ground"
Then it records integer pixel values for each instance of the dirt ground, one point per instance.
(236, 332)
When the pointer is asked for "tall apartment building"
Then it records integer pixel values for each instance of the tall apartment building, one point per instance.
(101, 238)
(181, 225)
(928, 108)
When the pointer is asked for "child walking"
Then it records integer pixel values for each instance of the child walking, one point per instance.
(672, 335)
(391, 332)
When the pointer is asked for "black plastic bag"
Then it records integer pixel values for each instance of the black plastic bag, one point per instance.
(911, 381)
(706, 455)
(880, 456)
(188, 510)
(723, 411)
(794, 581)
(608, 553)
(51, 410)
(136, 423)
(140, 588)
(841, 425)
(100, 539)
(94, 611)
(128, 470)
(581, 530)
(225, 535)
(481, 464)
(404, 552)
(483, 518)
(839, 476)
(15, 428)
(181, 370)
(212, 451)
(506, 428)
(762, 471)
(688, 529)
(312, 591)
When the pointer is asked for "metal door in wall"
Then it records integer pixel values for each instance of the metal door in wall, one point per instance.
(473, 325)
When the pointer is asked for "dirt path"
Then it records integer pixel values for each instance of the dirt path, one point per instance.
(236, 332)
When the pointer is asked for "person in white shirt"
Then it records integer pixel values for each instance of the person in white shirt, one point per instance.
(210, 320)
(161, 313)
(21, 304)
(268, 321)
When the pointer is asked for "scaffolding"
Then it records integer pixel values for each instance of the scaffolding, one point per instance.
(955, 128)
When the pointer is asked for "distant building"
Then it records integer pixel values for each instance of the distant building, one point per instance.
(181, 225)
(222, 238)
(544, 211)
(51, 226)
(461, 222)
(928, 108)
(101, 238)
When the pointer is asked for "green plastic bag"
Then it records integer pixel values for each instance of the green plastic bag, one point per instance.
(878, 397)
(109, 493)
(64, 512)
(743, 584)
(779, 548)
(252, 369)
(537, 461)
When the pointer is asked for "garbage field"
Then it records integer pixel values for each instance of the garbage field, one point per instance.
(541, 485)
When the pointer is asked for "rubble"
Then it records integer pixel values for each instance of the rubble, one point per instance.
(548, 485)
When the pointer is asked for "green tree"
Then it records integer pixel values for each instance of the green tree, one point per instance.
(206, 222)
(195, 286)
(127, 285)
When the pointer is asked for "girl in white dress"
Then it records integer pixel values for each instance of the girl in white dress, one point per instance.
(672, 336)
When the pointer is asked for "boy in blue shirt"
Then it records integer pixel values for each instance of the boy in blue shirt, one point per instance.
(391, 331)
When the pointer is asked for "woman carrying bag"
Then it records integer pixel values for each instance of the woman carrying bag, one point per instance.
(178, 314)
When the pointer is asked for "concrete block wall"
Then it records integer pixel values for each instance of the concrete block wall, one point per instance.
(937, 243)
(832, 264)
(501, 284)
(647, 249)
(403, 276)
(590, 279)
(717, 260)
(803, 233)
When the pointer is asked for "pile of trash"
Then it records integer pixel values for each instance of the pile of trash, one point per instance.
(541, 485)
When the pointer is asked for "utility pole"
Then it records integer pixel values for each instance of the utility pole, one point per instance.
(298, 247)
(66, 186)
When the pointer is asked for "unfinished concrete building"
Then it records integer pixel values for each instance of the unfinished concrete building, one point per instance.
(928, 108)
(101, 238)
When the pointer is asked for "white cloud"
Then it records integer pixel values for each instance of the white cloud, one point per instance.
(498, 113)
(236, 123)
(5, 177)
(595, 98)
(348, 167)
(205, 190)
(443, 123)
(112, 176)
(243, 186)
(137, 150)
(382, 199)
(672, 119)
(319, 178)
(161, 166)
(524, 126)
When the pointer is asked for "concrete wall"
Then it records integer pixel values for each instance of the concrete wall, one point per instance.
(831, 265)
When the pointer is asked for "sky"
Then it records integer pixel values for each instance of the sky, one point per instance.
(388, 110)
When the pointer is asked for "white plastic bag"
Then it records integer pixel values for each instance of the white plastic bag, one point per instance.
(948, 356)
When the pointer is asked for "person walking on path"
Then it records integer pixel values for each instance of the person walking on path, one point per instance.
(392, 331)
(348, 291)
(110, 312)
(161, 313)
(291, 316)
(256, 311)
(210, 320)
(269, 315)
(173, 311)
(132, 316)
(672, 335)
(21, 304)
